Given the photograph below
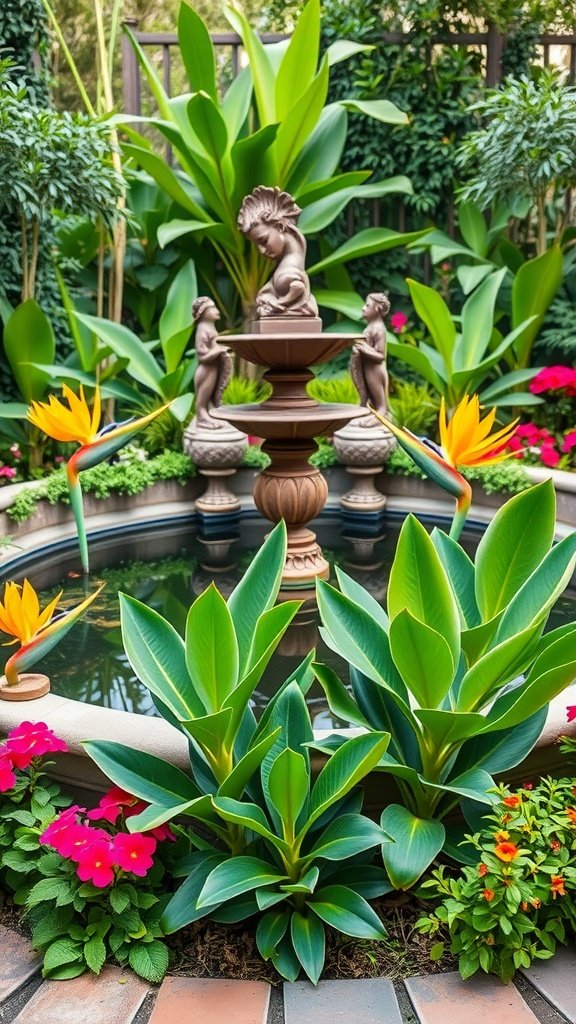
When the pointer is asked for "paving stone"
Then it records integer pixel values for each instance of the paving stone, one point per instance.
(17, 964)
(555, 979)
(446, 999)
(211, 1001)
(372, 1001)
(114, 997)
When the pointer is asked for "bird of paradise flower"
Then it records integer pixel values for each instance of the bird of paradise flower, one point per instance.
(75, 422)
(465, 440)
(36, 630)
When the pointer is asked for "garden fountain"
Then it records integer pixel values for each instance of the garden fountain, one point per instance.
(287, 338)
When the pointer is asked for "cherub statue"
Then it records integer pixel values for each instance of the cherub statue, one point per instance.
(268, 218)
(214, 363)
(368, 359)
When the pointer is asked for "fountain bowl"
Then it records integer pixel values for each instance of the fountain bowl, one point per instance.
(290, 351)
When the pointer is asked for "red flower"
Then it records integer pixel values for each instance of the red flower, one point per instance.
(528, 785)
(555, 845)
(554, 378)
(571, 713)
(96, 864)
(557, 886)
(488, 895)
(512, 801)
(569, 441)
(7, 774)
(112, 805)
(506, 851)
(483, 870)
(30, 740)
(549, 456)
(163, 832)
(536, 903)
(134, 852)
(398, 322)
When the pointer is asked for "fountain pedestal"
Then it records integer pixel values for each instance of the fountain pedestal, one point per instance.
(290, 488)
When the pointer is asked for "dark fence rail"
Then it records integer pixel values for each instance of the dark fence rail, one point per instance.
(491, 42)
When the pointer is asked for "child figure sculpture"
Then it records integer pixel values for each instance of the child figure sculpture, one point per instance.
(214, 363)
(368, 359)
(268, 218)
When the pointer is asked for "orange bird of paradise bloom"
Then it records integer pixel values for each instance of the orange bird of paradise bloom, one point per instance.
(77, 422)
(36, 630)
(465, 440)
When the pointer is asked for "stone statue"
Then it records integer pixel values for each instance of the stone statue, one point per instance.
(368, 359)
(268, 218)
(214, 364)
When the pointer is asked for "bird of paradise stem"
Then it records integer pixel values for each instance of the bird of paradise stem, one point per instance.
(465, 440)
(77, 422)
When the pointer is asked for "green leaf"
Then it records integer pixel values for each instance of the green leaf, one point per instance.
(478, 322)
(347, 911)
(95, 954)
(63, 951)
(253, 162)
(497, 667)
(432, 309)
(236, 876)
(262, 72)
(513, 545)
(471, 277)
(318, 215)
(346, 836)
(197, 51)
(119, 899)
(380, 110)
(285, 960)
(536, 596)
(365, 243)
(298, 66)
(460, 571)
(236, 782)
(423, 659)
(308, 939)
(418, 360)
(307, 882)
(209, 126)
(348, 303)
(163, 174)
(340, 701)
(211, 649)
(236, 103)
(343, 49)
(257, 590)
(154, 83)
(156, 653)
(321, 154)
(176, 320)
(148, 777)
(295, 128)
(142, 365)
(419, 584)
(348, 766)
(182, 908)
(417, 841)
(534, 287)
(28, 339)
(473, 227)
(250, 816)
(500, 751)
(149, 959)
(288, 787)
(271, 929)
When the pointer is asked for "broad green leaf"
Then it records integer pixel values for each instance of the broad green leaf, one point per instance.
(235, 783)
(365, 243)
(356, 592)
(236, 876)
(419, 584)
(320, 155)
(534, 287)
(271, 929)
(506, 382)
(84, 340)
(257, 590)
(432, 309)
(28, 339)
(367, 880)
(141, 363)
(288, 788)
(347, 911)
(478, 639)
(176, 319)
(211, 649)
(306, 883)
(144, 775)
(156, 653)
(182, 908)
(153, 816)
(423, 658)
(340, 701)
(309, 194)
(380, 110)
(447, 728)
(298, 66)
(177, 228)
(497, 667)
(163, 174)
(478, 322)
(418, 360)
(318, 215)
(290, 713)
(536, 596)
(295, 128)
(470, 277)
(210, 732)
(249, 816)
(308, 939)
(285, 960)
(348, 766)
(473, 227)
(353, 632)
(349, 303)
(262, 72)
(460, 571)
(513, 545)
(236, 103)
(343, 49)
(500, 751)
(209, 127)
(197, 51)
(254, 162)
(346, 836)
(472, 785)
(417, 841)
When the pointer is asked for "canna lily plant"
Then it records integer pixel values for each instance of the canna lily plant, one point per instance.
(36, 630)
(76, 422)
(457, 669)
(465, 440)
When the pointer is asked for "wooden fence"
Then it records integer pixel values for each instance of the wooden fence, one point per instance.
(491, 43)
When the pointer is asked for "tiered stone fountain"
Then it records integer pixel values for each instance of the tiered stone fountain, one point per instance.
(287, 338)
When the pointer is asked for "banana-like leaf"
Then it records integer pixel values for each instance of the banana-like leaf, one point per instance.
(348, 766)
(300, 61)
(365, 243)
(417, 841)
(28, 338)
(497, 667)
(535, 285)
(297, 125)
(211, 649)
(197, 51)
(271, 929)
(380, 110)
(257, 590)
(183, 907)
(262, 72)
(432, 309)
(235, 876)
(318, 215)
(534, 599)
(142, 365)
(309, 940)
(346, 836)
(344, 909)
(249, 816)
(289, 788)
(146, 776)
(460, 571)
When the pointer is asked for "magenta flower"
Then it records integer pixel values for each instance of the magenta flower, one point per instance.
(57, 830)
(554, 378)
(569, 441)
(571, 713)
(163, 832)
(32, 739)
(113, 803)
(96, 863)
(134, 852)
(7, 774)
(7, 471)
(398, 322)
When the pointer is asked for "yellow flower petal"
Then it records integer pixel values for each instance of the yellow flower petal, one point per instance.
(73, 422)
(466, 438)
(20, 614)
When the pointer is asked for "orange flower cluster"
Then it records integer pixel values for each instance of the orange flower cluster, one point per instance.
(489, 895)
(506, 851)
(571, 812)
(512, 801)
(557, 886)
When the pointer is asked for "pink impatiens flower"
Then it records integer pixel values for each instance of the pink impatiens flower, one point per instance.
(569, 441)
(571, 713)
(7, 774)
(113, 803)
(134, 852)
(398, 322)
(554, 378)
(96, 863)
(32, 739)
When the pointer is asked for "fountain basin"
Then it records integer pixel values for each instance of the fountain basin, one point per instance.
(314, 420)
(288, 351)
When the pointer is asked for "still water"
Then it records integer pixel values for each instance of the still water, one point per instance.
(166, 569)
